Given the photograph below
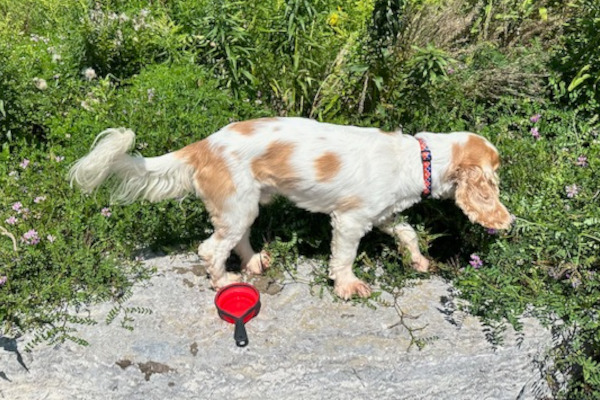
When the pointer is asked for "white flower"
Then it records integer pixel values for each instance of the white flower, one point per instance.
(56, 58)
(151, 93)
(89, 74)
(40, 83)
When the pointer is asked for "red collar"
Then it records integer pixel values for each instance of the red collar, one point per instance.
(426, 159)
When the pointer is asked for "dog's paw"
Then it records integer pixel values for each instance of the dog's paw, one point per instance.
(258, 263)
(354, 287)
(420, 264)
(205, 254)
(224, 280)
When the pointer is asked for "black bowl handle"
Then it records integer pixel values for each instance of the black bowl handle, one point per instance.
(240, 336)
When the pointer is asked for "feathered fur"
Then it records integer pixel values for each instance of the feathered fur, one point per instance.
(153, 179)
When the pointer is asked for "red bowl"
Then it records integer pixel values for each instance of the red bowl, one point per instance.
(238, 301)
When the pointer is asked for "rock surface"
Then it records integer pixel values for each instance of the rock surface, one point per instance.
(302, 346)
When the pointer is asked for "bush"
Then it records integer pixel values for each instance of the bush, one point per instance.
(576, 62)
(551, 257)
(119, 40)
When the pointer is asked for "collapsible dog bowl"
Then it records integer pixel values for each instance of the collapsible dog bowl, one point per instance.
(237, 304)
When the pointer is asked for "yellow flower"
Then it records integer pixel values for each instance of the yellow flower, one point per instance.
(333, 19)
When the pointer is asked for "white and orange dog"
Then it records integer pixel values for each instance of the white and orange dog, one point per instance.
(359, 176)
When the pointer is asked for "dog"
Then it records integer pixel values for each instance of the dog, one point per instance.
(360, 176)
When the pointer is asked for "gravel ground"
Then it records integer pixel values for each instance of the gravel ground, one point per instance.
(302, 346)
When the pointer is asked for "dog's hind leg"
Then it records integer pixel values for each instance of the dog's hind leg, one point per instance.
(347, 232)
(231, 226)
(215, 264)
(407, 237)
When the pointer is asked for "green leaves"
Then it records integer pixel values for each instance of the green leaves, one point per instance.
(428, 66)
(579, 78)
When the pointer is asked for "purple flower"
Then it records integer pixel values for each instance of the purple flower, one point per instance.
(582, 161)
(450, 70)
(535, 118)
(476, 261)
(572, 190)
(535, 133)
(31, 237)
(24, 163)
(492, 231)
(17, 207)
(3, 280)
(11, 220)
(39, 199)
(106, 212)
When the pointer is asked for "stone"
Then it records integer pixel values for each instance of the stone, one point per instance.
(301, 346)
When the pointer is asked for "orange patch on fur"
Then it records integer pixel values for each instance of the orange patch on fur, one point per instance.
(348, 203)
(327, 166)
(475, 152)
(212, 175)
(248, 127)
(274, 168)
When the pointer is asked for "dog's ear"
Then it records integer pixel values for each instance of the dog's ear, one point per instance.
(477, 195)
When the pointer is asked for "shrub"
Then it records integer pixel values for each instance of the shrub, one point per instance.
(120, 43)
(549, 260)
(576, 63)
(37, 80)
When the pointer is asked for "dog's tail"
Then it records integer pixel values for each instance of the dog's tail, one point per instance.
(153, 178)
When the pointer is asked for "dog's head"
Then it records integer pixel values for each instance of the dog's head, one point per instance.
(473, 173)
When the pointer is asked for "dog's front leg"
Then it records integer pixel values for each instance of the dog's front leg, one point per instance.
(252, 263)
(407, 237)
(347, 232)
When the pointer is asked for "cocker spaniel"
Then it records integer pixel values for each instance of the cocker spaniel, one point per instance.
(361, 177)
